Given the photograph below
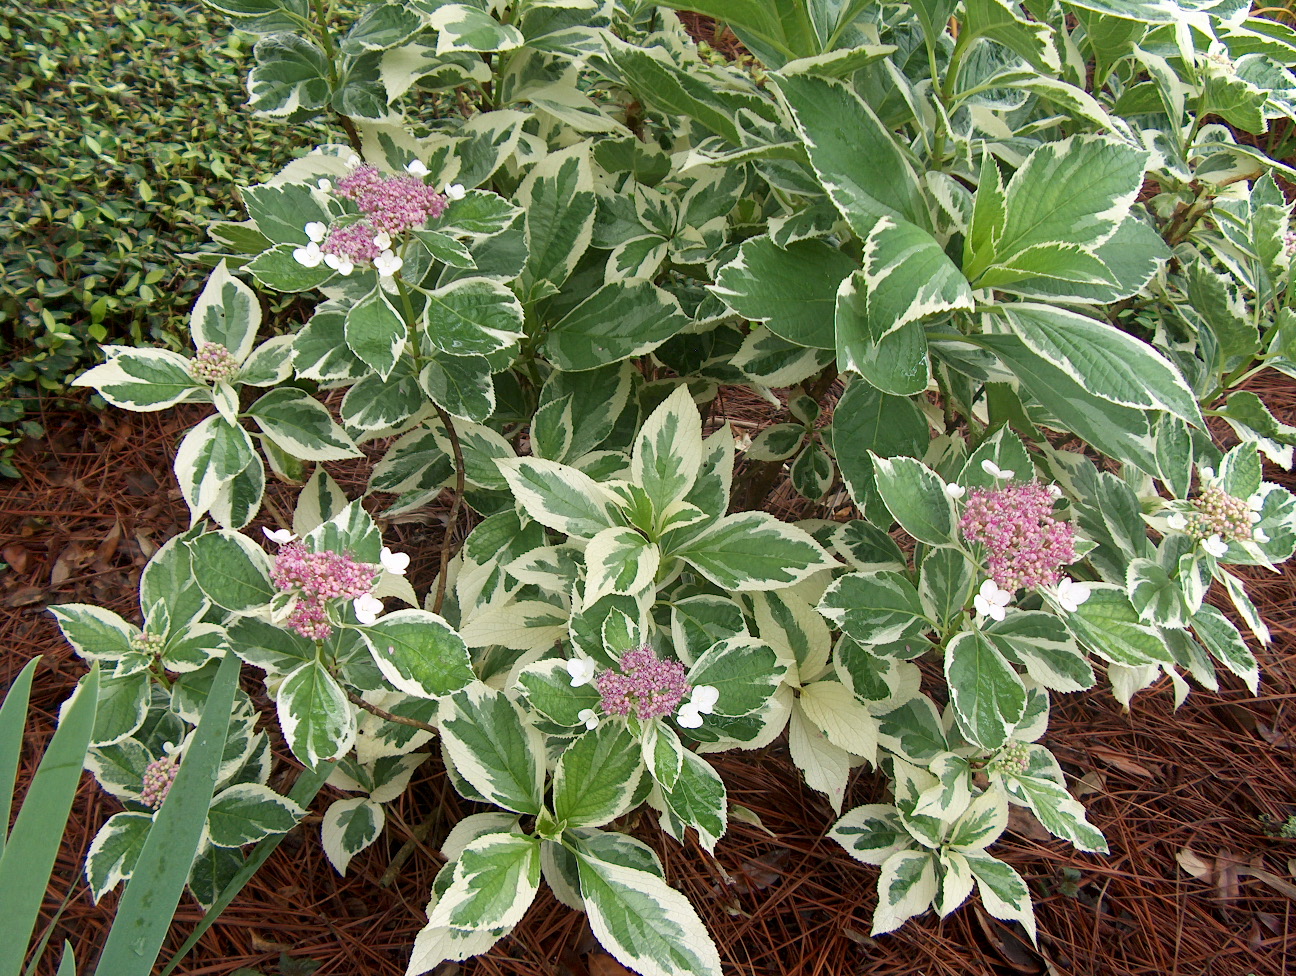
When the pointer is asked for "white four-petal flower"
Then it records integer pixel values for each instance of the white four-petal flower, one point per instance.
(394, 562)
(310, 256)
(354, 162)
(689, 716)
(280, 536)
(581, 670)
(325, 185)
(367, 608)
(388, 264)
(1176, 521)
(991, 601)
(1260, 536)
(994, 471)
(415, 167)
(589, 717)
(455, 191)
(955, 491)
(317, 231)
(339, 264)
(382, 241)
(1215, 545)
(1071, 594)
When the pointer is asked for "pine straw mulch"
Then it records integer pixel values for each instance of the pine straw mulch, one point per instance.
(1166, 787)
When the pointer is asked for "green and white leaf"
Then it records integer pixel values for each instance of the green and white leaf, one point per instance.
(906, 888)
(247, 812)
(348, 827)
(419, 653)
(494, 748)
(141, 379)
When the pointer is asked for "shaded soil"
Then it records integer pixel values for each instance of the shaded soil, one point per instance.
(1193, 785)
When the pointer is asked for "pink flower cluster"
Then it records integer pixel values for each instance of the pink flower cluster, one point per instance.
(318, 577)
(213, 363)
(1026, 546)
(647, 686)
(159, 774)
(354, 243)
(392, 203)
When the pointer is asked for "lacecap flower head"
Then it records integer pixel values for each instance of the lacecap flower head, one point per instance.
(1026, 547)
(315, 578)
(646, 686)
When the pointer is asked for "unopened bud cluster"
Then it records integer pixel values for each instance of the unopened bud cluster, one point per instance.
(646, 686)
(315, 578)
(1013, 758)
(213, 363)
(1026, 547)
(1219, 513)
(147, 643)
(159, 774)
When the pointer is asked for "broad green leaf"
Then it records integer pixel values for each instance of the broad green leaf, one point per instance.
(494, 748)
(1226, 645)
(595, 779)
(857, 160)
(232, 570)
(619, 320)
(745, 672)
(644, 923)
(226, 313)
(668, 451)
(988, 696)
(1041, 644)
(290, 79)
(460, 385)
(247, 812)
(472, 317)
(95, 634)
(549, 690)
(998, 20)
(302, 426)
(871, 833)
(282, 210)
(262, 16)
(945, 585)
(279, 269)
(318, 722)
(699, 800)
(495, 880)
(112, 854)
(123, 706)
(419, 653)
(755, 551)
(558, 197)
(906, 888)
(793, 290)
(621, 561)
(141, 379)
(463, 27)
(1108, 625)
(211, 456)
(376, 332)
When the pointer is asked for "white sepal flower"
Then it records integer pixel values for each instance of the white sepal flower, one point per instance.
(991, 601)
(394, 562)
(367, 608)
(1255, 502)
(382, 241)
(1054, 492)
(581, 670)
(325, 185)
(280, 536)
(589, 717)
(317, 231)
(1207, 472)
(341, 265)
(1253, 517)
(1176, 521)
(1215, 545)
(689, 716)
(415, 167)
(955, 491)
(388, 263)
(354, 162)
(994, 471)
(1260, 536)
(704, 698)
(309, 256)
(455, 191)
(1071, 594)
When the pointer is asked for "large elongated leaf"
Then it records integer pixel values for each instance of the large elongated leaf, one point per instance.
(494, 749)
(302, 426)
(561, 497)
(755, 551)
(495, 880)
(987, 693)
(558, 197)
(141, 379)
(419, 653)
(596, 776)
(314, 714)
(619, 320)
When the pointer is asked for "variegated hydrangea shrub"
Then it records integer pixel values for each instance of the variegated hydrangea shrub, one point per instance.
(556, 233)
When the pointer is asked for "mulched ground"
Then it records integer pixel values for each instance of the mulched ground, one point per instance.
(1195, 884)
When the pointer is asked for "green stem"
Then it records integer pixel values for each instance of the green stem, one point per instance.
(448, 540)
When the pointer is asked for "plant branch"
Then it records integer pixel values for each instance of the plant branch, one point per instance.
(454, 506)
(387, 716)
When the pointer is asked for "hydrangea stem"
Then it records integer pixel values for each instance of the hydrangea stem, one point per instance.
(453, 517)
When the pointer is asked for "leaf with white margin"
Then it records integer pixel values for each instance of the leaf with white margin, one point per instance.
(875, 608)
(495, 881)
(232, 570)
(558, 197)
(141, 379)
(348, 827)
(376, 332)
(949, 797)
(621, 561)
(1061, 814)
(596, 776)
(211, 455)
(462, 27)
(871, 833)
(668, 451)
(520, 625)
(915, 496)
(1041, 643)
(114, 851)
(906, 888)
(988, 695)
(320, 500)
(620, 320)
(95, 634)
(744, 671)
(792, 626)
(1109, 625)
(699, 800)
(315, 717)
(643, 922)
(227, 313)
(472, 316)
(1107, 362)
(841, 717)
(755, 551)
(1003, 892)
(955, 881)
(302, 426)
(419, 653)
(561, 497)
(824, 765)
(494, 748)
(247, 812)
(1245, 608)
(981, 823)
(1226, 645)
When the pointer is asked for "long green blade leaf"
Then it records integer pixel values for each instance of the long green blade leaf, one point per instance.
(151, 896)
(13, 716)
(303, 792)
(28, 859)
